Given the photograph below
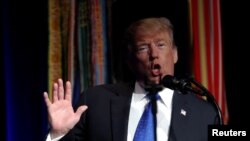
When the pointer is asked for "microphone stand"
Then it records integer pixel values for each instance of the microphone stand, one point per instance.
(209, 96)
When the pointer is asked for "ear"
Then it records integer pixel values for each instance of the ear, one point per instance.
(175, 54)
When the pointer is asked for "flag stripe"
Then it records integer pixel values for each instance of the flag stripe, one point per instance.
(207, 42)
(212, 47)
(54, 51)
(71, 43)
(202, 43)
(196, 48)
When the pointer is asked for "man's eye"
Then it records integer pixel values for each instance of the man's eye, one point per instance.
(161, 45)
(142, 48)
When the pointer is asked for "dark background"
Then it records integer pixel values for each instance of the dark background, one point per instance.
(24, 55)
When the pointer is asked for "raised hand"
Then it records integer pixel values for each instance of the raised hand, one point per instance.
(61, 114)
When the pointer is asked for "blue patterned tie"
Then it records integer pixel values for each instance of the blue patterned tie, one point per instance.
(146, 128)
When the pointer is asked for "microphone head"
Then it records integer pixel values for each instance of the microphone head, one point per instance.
(174, 83)
(169, 81)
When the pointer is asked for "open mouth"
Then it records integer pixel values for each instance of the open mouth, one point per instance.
(155, 69)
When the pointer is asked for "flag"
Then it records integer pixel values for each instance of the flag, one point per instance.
(206, 40)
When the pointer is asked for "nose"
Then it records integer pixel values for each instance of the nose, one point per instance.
(153, 52)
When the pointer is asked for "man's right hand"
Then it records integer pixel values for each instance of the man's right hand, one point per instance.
(61, 115)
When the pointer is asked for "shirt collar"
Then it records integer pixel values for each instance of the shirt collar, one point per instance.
(139, 92)
(166, 94)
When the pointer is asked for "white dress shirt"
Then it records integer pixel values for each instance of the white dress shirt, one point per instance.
(164, 108)
(138, 102)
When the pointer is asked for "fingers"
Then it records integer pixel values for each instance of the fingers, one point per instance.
(68, 91)
(60, 89)
(55, 92)
(46, 99)
(80, 110)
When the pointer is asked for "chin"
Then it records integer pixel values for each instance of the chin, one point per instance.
(154, 80)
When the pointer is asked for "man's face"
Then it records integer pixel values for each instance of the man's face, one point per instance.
(155, 56)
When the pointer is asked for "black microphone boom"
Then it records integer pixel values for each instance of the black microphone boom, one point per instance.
(184, 85)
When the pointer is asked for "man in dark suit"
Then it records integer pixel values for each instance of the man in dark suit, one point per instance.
(112, 112)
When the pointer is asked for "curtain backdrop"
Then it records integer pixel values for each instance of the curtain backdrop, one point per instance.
(78, 44)
(24, 58)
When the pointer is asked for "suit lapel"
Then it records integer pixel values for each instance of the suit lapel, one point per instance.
(120, 105)
(180, 117)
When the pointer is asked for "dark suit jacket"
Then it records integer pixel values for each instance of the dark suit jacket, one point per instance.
(106, 118)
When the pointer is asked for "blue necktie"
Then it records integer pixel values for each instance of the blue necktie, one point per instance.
(146, 128)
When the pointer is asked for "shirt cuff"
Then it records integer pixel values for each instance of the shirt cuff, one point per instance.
(55, 139)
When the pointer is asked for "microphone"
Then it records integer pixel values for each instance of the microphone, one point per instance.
(182, 85)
